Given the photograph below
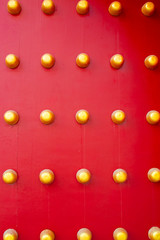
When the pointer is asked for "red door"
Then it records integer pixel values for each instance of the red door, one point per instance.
(65, 146)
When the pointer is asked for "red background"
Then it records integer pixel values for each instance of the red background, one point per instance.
(65, 146)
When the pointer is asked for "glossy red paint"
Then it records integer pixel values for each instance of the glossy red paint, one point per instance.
(64, 147)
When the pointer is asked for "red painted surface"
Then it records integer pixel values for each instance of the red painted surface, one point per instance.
(101, 146)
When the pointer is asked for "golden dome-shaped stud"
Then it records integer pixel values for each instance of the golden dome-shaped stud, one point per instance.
(10, 234)
(13, 7)
(153, 117)
(120, 234)
(117, 61)
(47, 116)
(148, 9)
(11, 117)
(48, 7)
(84, 234)
(47, 235)
(83, 175)
(47, 60)
(115, 8)
(118, 116)
(82, 60)
(12, 61)
(154, 233)
(151, 62)
(46, 176)
(9, 176)
(82, 7)
(82, 116)
(120, 176)
(154, 175)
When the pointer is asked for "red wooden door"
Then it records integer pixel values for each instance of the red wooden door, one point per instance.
(101, 146)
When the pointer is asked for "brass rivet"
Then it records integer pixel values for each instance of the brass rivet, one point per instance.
(153, 117)
(151, 62)
(120, 176)
(46, 176)
(84, 234)
(118, 116)
(148, 9)
(10, 234)
(83, 175)
(82, 60)
(11, 117)
(82, 7)
(48, 7)
(154, 175)
(120, 234)
(12, 61)
(9, 176)
(47, 235)
(47, 60)
(47, 116)
(154, 233)
(82, 116)
(115, 8)
(117, 61)
(13, 7)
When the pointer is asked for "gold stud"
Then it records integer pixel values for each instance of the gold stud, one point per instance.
(118, 116)
(13, 7)
(84, 234)
(47, 116)
(82, 7)
(83, 176)
(46, 176)
(48, 7)
(120, 176)
(9, 176)
(82, 116)
(12, 61)
(148, 9)
(117, 61)
(47, 60)
(154, 175)
(82, 60)
(154, 233)
(10, 234)
(153, 117)
(151, 62)
(115, 8)
(47, 235)
(11, 117)
(120, 234)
